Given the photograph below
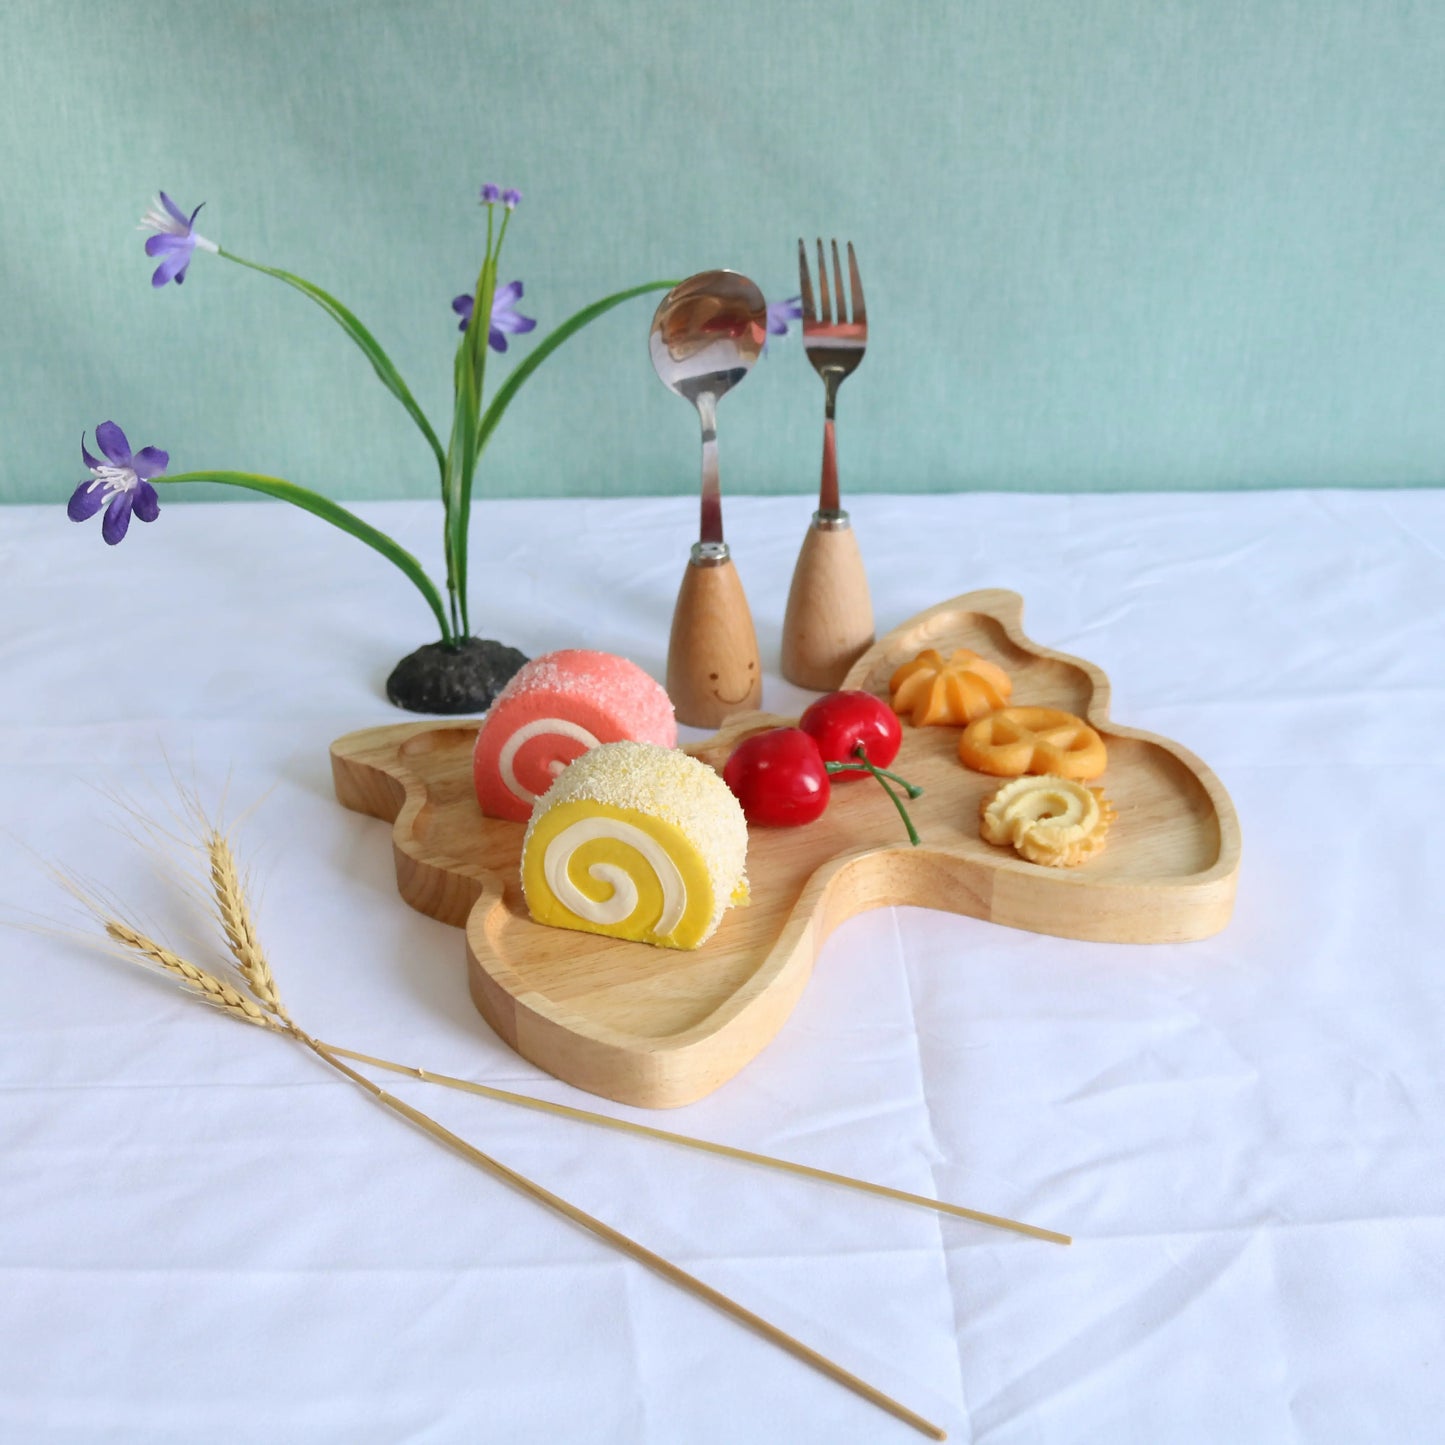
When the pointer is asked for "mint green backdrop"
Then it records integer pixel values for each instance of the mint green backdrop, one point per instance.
(1107, 243)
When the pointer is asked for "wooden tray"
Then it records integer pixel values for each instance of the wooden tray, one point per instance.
(657, 1027)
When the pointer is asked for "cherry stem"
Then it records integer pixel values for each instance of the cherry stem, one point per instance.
(912, 789)
(864, 766)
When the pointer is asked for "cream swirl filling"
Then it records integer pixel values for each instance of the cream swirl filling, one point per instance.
(624, 897)
(538, 727)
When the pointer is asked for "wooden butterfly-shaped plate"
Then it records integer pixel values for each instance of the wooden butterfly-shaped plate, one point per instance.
(658, 1027)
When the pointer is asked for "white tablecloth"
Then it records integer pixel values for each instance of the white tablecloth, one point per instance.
(206, 1235)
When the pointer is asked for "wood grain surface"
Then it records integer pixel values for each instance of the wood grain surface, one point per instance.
(658, 1027)
(713, 667)
(828, 624)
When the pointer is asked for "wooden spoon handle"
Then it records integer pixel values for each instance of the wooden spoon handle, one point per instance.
(712, 657)
(829, 622)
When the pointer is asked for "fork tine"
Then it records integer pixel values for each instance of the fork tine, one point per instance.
(825, 313)
(860, 310)
(805, 285)
(838, 279)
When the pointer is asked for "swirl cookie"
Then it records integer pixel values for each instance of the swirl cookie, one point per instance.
(552, 711)
(1056, 822)
(1018, 740)
(932, 691)
(636, 841)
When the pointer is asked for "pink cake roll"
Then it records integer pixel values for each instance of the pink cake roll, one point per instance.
(552, 711)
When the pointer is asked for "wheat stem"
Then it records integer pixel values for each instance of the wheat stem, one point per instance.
(629, 1246)
(688, 1141)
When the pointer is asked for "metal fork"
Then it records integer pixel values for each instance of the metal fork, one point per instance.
(828, 624)
(835, 347)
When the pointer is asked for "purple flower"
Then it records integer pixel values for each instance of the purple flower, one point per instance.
(492, 194)
(122, 480)
(782, 312)
(779, 314)
(174, 240)
(505, 317)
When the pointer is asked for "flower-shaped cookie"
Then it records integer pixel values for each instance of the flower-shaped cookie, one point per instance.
(951, 693)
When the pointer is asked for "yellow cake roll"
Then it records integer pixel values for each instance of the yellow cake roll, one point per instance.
(636, 841)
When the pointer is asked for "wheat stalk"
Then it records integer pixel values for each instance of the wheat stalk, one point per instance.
(265, 1010)
(235, 916)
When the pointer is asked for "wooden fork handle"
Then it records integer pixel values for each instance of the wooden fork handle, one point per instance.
(829, 621)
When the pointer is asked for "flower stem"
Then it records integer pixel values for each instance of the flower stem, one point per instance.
(469, 404)
(338, 516)
(457, 626)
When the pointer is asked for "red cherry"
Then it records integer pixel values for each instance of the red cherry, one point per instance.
(779, 778)
(842, 720)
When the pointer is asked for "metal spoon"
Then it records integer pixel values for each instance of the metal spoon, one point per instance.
(707, 333)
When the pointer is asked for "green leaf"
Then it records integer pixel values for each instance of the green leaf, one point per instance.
(370, 347)
(554, 339)
(334, 513)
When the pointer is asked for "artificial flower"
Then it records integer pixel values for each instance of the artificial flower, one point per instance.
(175, 238)
(492, 194)
(782, 312)
(505, 317)
(122, 481)
(779, 314)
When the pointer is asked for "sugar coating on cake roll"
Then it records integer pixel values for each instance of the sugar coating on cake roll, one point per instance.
(636, 841)
(552, 711)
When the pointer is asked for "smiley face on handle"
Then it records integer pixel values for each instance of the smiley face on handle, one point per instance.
(747, 682)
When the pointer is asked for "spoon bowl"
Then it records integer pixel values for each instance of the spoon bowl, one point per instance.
(707, 332)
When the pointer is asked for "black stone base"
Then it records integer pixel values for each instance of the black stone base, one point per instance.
(464, 679)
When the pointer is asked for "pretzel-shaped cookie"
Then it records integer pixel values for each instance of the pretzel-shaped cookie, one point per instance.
(1017, 740)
